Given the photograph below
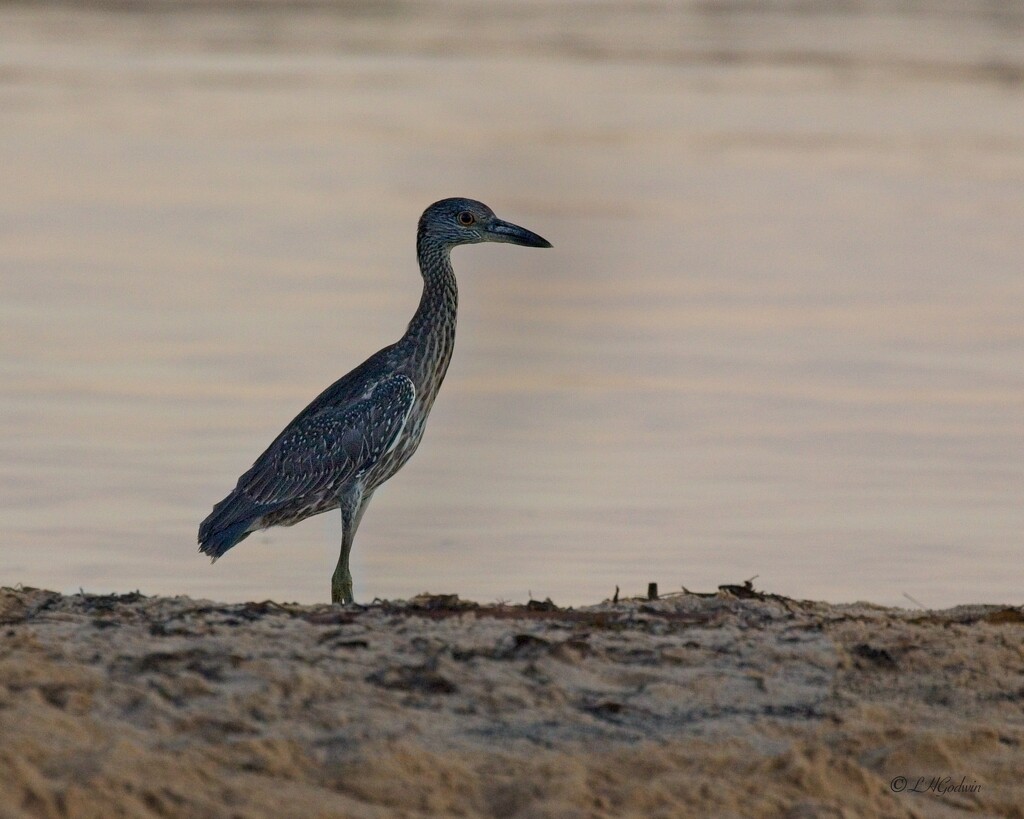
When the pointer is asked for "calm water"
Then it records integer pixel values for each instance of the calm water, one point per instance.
(781, 332)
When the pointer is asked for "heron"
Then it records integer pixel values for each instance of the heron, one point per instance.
(366, 425)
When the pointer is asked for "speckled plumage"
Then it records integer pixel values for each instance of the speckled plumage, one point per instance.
(363, 428)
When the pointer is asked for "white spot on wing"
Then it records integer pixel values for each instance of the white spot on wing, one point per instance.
(398, 434)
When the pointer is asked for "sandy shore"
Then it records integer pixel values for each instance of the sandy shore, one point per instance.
(735, 703)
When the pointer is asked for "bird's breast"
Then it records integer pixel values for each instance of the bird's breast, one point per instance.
(404, 447)
(426, 363)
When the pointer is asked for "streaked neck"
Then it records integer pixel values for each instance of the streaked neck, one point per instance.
(431, 332)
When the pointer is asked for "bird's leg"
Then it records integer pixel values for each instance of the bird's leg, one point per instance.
(352, 509)
(341, 580)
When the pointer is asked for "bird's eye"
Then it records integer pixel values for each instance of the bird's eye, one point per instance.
(466, 218)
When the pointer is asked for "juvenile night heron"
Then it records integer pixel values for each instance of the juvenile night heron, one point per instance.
(364, 427)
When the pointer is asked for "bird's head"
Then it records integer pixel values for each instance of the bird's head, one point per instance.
(460, 221)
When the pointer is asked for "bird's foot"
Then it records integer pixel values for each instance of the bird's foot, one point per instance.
(341, 589)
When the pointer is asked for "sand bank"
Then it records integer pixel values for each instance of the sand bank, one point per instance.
(728, 704)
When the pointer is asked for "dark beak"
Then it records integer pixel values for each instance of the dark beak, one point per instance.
(499, 231)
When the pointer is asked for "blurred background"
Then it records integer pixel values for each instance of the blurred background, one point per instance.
(781, 332)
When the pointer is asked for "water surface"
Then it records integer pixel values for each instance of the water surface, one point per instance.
(781, 332)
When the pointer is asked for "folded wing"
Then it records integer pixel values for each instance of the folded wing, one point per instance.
(310, 462)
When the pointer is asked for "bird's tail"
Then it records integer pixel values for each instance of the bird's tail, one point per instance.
(231, 521)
